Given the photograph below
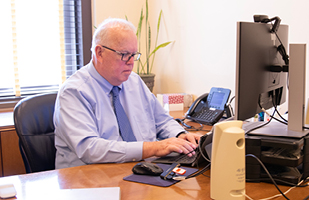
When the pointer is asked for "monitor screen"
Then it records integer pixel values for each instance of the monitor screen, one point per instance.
(255, 83)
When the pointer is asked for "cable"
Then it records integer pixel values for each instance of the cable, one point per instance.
(277, 181)
(281, 48)
(231, 99)
(271, 178)
(246, 196)
(272, 116)
(293, 186)
(276, 110)
(207, 167)
(278, 195)
(191, 128)
(201, 152)
(248, 131)
(280, 114)
(231, 109)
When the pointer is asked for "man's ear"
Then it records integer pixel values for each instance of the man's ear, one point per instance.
(99, 53)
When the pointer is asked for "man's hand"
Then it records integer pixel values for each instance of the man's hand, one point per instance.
(191, 137)
(185, 143)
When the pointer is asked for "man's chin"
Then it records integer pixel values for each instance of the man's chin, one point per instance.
(126, 76)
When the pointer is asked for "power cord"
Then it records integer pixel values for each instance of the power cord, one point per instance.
(276, 111)
(207, 167)
(269, 175)
(191, 128)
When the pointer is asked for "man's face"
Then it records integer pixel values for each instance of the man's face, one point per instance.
(109, 64)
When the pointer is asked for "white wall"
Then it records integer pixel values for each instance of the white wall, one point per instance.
(204, 52)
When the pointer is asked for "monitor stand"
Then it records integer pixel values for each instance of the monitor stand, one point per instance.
(296, 100)
(274, 128)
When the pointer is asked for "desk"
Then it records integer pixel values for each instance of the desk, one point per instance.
(11, 162)
(111, 175)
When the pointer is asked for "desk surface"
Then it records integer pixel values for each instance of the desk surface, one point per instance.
(111, 175)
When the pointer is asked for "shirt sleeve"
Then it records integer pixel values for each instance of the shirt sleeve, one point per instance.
(166, 125)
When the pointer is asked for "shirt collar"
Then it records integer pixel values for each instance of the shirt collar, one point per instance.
(107, 87)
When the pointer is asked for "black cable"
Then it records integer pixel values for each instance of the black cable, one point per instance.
(281, 49)
(191, 128)
(276, 110)
(207, 167)
(232, 99)
(232, 111)
(286, 121)
(277, 180)
(271, 178)
(248, 131)
(201, 152)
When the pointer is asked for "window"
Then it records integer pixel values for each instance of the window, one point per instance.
(41, 46)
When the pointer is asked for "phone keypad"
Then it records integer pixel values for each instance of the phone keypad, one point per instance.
(208, 116)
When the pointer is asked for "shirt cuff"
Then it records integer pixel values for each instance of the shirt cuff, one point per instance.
(134, 151)
(182, 132)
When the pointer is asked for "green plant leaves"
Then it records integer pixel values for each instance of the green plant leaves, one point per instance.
(159, 47)
(140, 66)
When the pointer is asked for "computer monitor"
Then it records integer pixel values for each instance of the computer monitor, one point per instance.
(257, 55)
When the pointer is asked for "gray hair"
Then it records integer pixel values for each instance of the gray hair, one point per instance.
(99, 36)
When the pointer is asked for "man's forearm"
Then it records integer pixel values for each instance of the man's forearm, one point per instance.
(149, 149)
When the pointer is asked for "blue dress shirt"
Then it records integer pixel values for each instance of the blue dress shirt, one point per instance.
(86, 129)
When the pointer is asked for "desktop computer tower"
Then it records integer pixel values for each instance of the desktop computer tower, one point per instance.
(287, 159)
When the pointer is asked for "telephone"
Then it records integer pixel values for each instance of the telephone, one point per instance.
(209, 107)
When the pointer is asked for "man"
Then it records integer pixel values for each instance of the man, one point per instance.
(86, 127)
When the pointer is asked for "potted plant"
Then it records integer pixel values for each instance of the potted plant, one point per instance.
(144, 69)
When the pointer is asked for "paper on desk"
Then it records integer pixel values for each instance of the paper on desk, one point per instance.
(110, 193)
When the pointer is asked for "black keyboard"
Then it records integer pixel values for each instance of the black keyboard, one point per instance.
(184, 159)
(176, 157)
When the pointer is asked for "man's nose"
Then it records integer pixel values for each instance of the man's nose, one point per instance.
(130, 61)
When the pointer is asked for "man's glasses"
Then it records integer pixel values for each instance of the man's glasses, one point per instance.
(125, 56)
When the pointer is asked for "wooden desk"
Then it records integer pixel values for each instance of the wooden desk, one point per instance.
(11, 162)
(111, 175)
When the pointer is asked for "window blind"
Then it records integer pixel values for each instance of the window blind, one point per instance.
(73, 35)
(41, 47)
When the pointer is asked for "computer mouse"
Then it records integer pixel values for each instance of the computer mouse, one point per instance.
(147, 168)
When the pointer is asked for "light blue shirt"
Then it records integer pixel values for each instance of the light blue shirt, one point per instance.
(86, 129)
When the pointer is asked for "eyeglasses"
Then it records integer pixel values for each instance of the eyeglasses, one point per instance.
(125, 56)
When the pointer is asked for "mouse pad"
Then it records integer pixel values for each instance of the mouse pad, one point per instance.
(156, 180)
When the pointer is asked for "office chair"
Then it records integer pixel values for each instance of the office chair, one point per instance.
(33, 119)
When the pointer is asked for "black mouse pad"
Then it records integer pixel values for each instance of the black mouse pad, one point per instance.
(156, 180)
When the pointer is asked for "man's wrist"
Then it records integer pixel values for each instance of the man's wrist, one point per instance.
(182, 132)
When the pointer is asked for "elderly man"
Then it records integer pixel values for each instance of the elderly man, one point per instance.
(105, 113)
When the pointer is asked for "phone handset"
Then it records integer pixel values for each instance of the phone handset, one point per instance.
(197, 104)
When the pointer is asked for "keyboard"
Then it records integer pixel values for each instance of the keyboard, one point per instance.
(176, 157)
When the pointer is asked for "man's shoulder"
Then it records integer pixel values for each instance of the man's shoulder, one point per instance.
(77, 80)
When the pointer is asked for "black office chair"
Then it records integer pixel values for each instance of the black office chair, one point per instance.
(33, 119)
